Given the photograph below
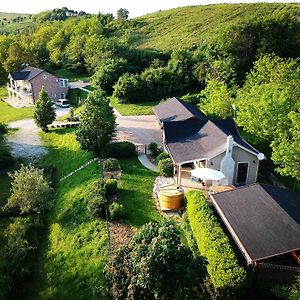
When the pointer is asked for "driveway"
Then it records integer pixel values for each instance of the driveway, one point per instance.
(26, 142)
(140, 130)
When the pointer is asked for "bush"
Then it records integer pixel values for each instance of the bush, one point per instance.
(153, 148)
(120, 150)
(96, 206)
(223, 268)
(3, 128)
(111, 186)
(165, 167)
(116, 211)
(6, 159)
(161, 156)
(111, 165)
(30, 191)
(152, 263)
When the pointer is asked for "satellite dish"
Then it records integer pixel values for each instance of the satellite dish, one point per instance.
(260, 156)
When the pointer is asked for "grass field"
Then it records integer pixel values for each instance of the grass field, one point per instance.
(135, 193)
(188, 26)
(73, 254)
(132, 109)
(9, 25)
(65, 73)
(8, 113)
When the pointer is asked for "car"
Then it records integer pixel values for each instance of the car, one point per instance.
(62, 103)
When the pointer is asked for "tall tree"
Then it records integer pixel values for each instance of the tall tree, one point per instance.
(122, 14)
(44, 113)
(285, 148)
(97, 126)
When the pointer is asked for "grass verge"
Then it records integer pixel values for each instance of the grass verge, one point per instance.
(135, 193)
(132, 109)
(74, 250)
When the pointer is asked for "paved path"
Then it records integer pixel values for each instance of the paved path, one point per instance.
(147, 163)
(78, 84)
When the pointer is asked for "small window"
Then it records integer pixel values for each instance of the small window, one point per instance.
(62, 96)
(45, 76)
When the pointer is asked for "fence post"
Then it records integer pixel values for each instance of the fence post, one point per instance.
(145, 149)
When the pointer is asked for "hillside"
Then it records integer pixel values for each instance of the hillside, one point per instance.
(12, 22)
(186, 26)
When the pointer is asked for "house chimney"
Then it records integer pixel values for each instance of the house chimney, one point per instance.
(229, 144)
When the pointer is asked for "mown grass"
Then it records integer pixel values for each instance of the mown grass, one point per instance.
(65, 73)
(72, 256)
(8, 113)
(188, 26)
(135, 193)
(132, 109)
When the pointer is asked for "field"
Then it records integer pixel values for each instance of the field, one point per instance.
(9, 22)
(188, 26)
(8, 113)
(131, 109)
(65, 73)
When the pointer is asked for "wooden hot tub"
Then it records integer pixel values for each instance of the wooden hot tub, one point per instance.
(170, 198)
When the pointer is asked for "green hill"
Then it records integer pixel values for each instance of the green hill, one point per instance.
(182, 27)
(13, 22)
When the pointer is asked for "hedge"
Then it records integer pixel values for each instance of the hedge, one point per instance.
(223, 267)
(120, 150)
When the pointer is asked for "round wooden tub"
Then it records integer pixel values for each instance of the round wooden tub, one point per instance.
(170, 199)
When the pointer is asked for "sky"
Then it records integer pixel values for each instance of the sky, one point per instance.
(135, 7)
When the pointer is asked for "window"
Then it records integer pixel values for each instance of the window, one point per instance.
(63, 82)
(62, 96)
(242, 173)
(45, 76)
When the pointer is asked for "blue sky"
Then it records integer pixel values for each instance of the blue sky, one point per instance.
(135, 7)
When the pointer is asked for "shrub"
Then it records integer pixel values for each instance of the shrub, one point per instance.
(152, 263)
(3, 128)
(116, 211)
(111, 164)
(30, 192)
(120, 150)
(153, 148)
(111, 186)
(165, 167)
(225, 273)
(6, 159)
(161, 156)
(96, 206)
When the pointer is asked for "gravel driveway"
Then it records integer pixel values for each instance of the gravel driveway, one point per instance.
(26, 143)
(140, 130)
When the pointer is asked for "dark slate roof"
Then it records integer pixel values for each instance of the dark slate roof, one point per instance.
(33, 72)
(193, 139)
(200, 138)
(26, 74)
(175, 109)
(19, 75)
(264, 220)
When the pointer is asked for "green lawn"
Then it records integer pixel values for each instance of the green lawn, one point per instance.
(65, 73)
(135, 193)
(73, 254)
(8, 113)
(133, 108)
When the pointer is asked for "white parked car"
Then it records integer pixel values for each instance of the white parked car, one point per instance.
(62, 103)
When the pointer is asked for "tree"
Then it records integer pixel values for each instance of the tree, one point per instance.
(44, 113)
(285, 148)
(122, 14)
(127, 88)
(30, 192)
(216, 99)
(97, 126)
(270, 92)
(108, 73)
(155, 265)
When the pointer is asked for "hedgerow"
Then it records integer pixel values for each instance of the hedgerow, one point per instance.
(223, 268)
